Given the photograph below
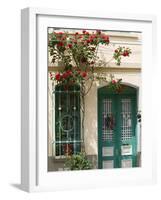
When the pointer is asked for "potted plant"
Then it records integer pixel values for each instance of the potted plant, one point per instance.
(78, 162)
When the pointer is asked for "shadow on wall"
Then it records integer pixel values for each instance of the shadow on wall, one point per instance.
(91, 122)
(50, 119)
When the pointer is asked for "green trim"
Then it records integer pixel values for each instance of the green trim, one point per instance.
(107, 90)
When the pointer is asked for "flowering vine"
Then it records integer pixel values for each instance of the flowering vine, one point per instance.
(119, 52)
(77, 53)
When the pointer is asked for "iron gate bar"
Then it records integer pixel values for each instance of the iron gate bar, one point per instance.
(59, 118)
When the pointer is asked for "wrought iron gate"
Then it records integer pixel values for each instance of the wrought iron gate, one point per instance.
(67, 120)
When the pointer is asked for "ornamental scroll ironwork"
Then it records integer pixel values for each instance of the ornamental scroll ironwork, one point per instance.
(66, 123)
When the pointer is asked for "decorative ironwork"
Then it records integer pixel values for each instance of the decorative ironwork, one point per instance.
(108, 120)
(67, 120)
(126, 126)
(66, 123)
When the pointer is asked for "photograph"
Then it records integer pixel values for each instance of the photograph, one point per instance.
(94, 99)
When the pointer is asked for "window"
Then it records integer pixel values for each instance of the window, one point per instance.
(67, 120)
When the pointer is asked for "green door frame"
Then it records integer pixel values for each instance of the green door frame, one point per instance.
(128, 92)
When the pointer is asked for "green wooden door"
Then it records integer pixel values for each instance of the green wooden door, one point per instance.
(117, 129)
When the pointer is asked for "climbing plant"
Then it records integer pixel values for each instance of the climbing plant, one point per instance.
(77, 53)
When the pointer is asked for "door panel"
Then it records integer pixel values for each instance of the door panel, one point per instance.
(107, 151)
(108, 164)
(117, 137)
(107, 137)
(108, 121)
(126, 163)
(127, 105)
(126, 119)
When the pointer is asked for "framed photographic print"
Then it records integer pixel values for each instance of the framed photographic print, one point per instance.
(86, 99)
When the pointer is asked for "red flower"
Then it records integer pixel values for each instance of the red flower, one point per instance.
(70, 46)
(84, 31)
(113, 82)
(57, 77)
(126, 53)
(84, 74)
(65, 75)
(92, 37)
(76, 33)
(105, 38)
(69, 73)
(60, 44)
(88, 41)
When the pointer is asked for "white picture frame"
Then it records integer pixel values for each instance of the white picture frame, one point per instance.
(34, 176)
